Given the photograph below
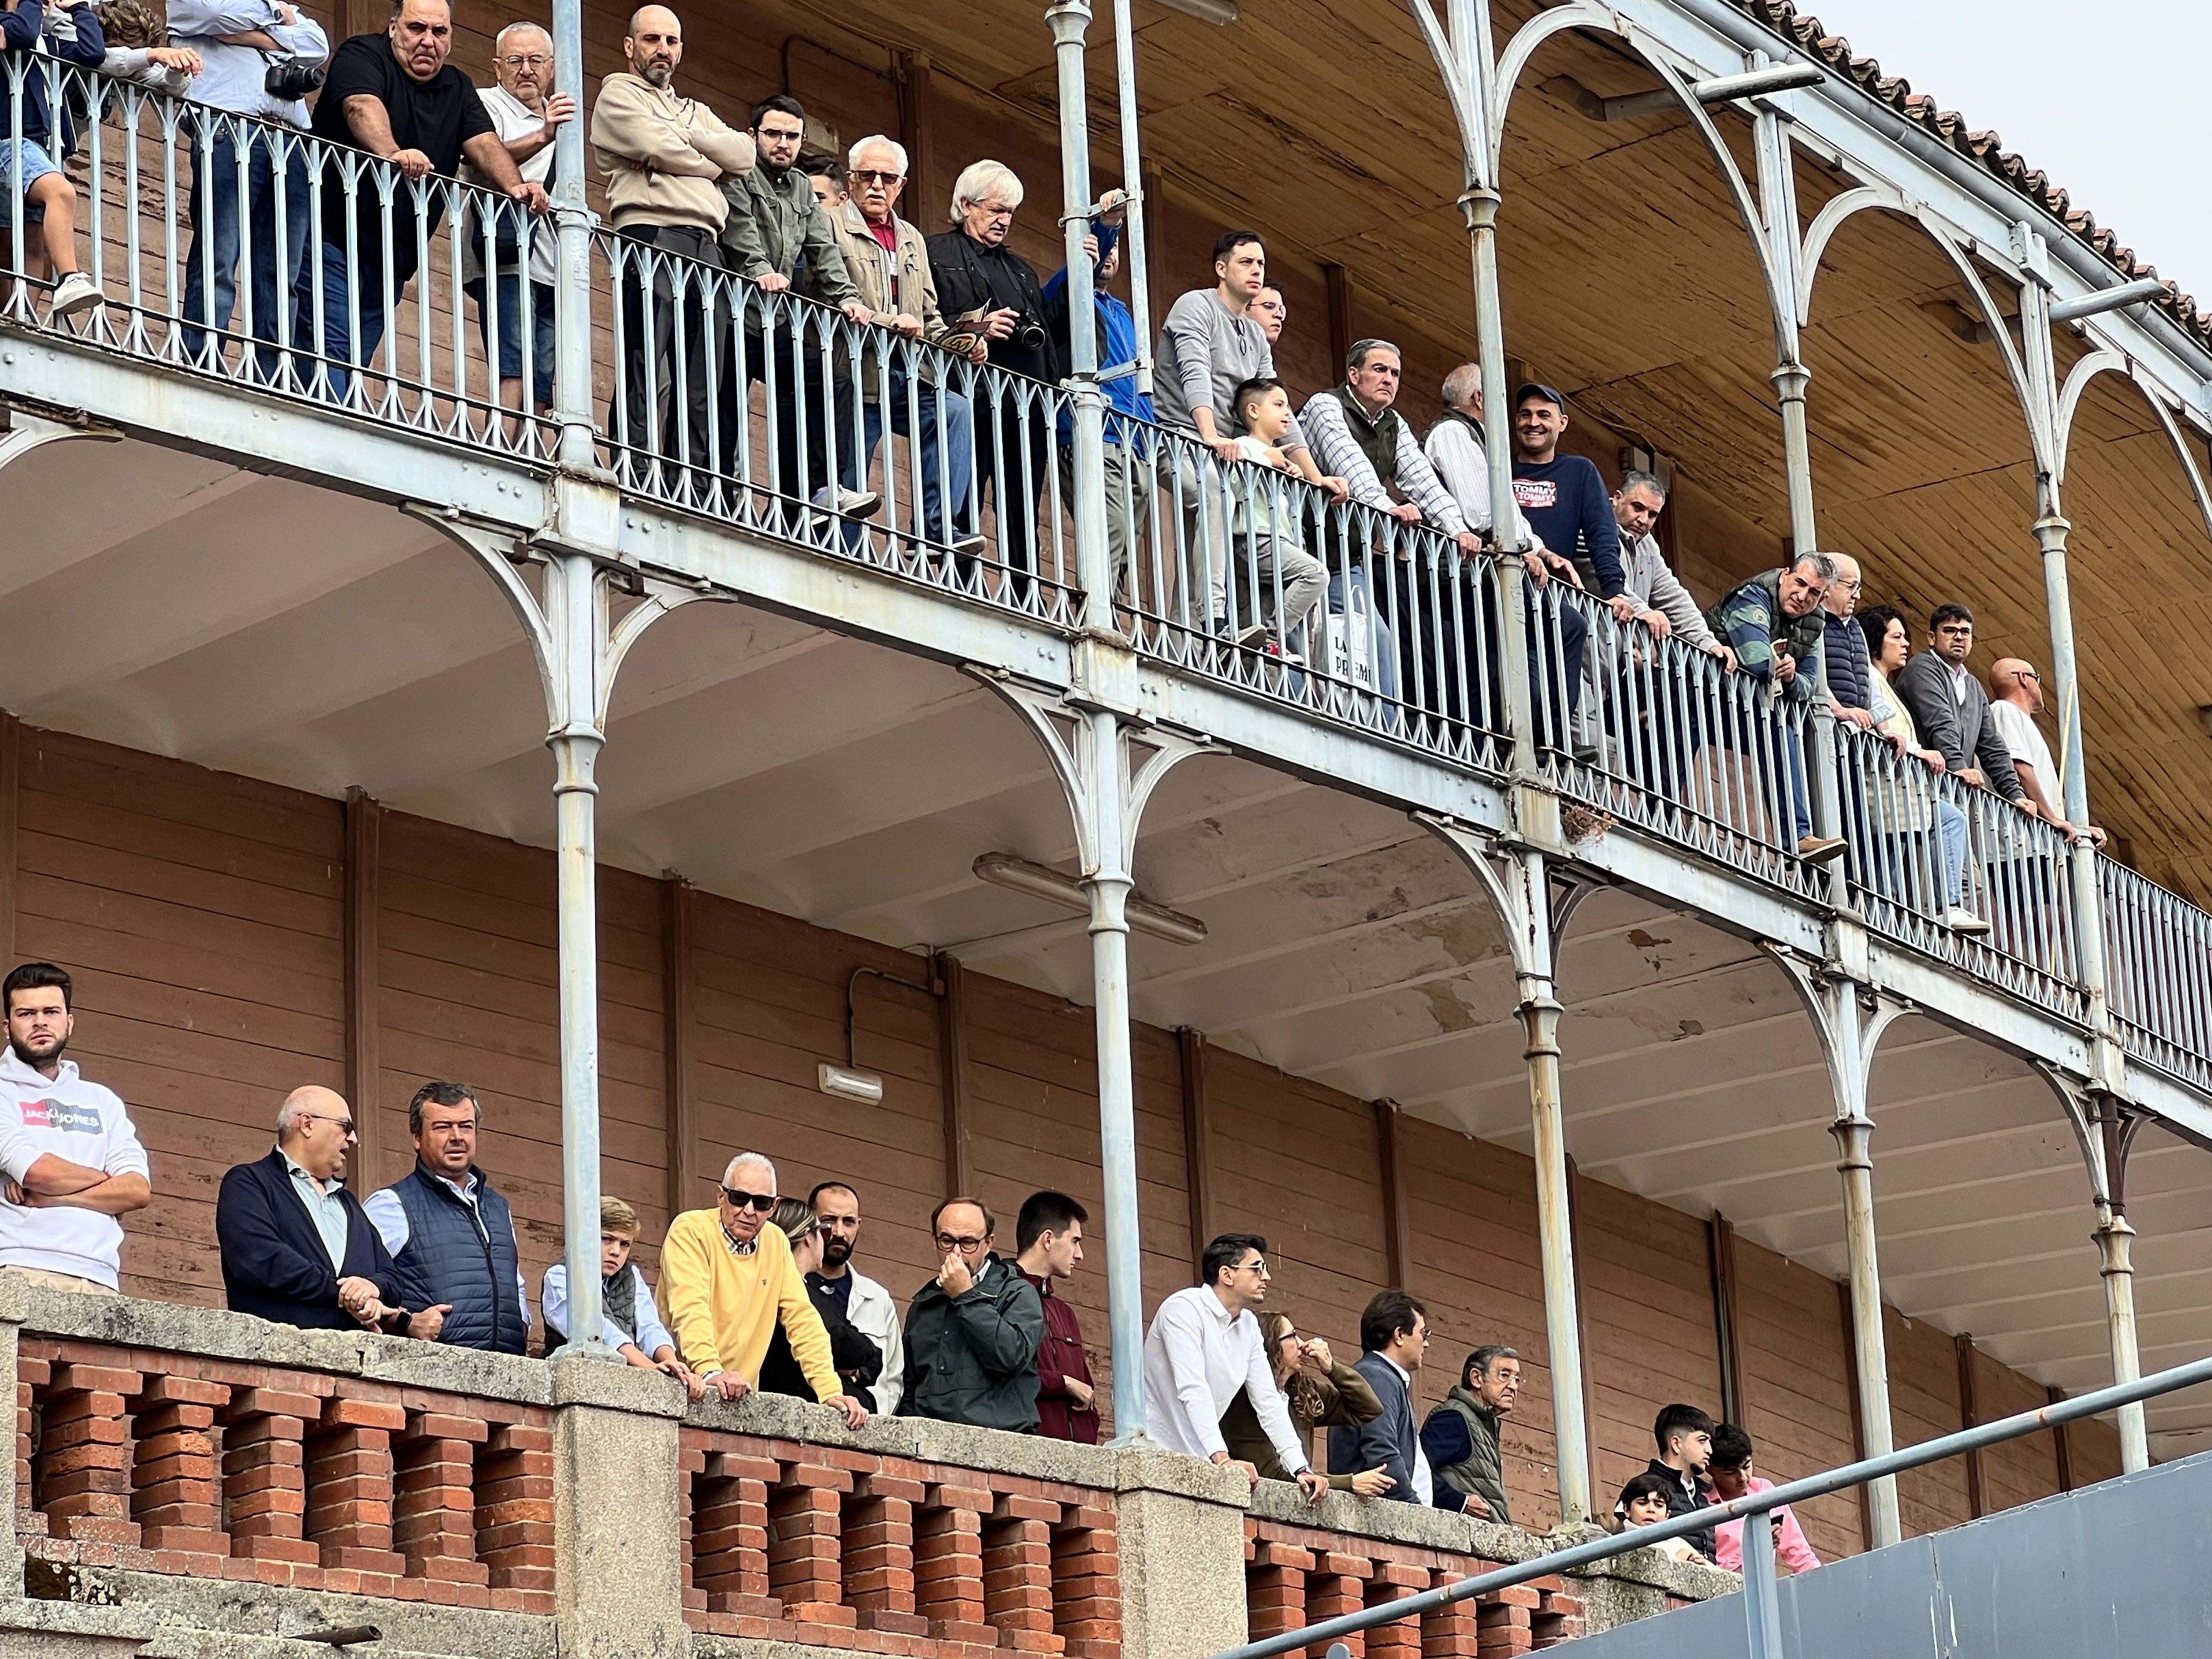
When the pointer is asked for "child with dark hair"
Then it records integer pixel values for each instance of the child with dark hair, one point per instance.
(1644, 1502)
(1730, 1470)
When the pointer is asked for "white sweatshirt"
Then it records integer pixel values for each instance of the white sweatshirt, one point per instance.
(84, 1123)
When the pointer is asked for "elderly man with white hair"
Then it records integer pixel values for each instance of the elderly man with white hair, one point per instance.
(526, 113)
(727, 1280)
(988, 289)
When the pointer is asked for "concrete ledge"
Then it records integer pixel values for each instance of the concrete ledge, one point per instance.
(1397, 1522)
(616, 1387)
(216, 1333)
(176, 1611)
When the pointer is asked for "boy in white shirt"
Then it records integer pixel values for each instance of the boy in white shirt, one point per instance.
(72, 1159)
(1264, 523)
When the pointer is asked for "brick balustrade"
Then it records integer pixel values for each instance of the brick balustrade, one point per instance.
(1294, 1576)
(164, 1462)
(886, 1554)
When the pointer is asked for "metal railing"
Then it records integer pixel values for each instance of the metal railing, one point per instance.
(1762, 1609)
(238, 248)
(2158, 967)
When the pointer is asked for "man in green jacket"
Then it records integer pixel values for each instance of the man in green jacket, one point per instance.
(779, 241)
(1461, 1437)
(973, 1331)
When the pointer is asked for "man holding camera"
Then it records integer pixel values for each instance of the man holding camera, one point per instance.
(987, 289)
(263, 58)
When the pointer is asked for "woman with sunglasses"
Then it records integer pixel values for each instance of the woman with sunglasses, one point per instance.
(859, 1361)
(1320, 1391)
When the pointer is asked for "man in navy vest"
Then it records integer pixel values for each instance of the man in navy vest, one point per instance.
(451, 1236)
(297, 1247)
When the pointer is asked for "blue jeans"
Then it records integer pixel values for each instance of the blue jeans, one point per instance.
(1953, 822)
(332, 272)
(217, 234)
(509, 357)
(947, 417)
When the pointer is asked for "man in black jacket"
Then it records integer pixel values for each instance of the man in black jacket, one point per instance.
(1395, 1332)
(1685, 1435)
(1951, 710)
(297, 1247)
(986, 288)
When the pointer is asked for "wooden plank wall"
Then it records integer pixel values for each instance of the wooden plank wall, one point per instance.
(204, 916)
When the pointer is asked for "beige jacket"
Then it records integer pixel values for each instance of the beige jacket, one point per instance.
(910, 289)
(664, 156)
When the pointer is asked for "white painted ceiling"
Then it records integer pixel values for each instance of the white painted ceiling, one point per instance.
(266, 626)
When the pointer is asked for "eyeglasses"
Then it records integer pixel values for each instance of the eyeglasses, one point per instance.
(345, 1124)
(1956, 628)
(762, 1202)
(1843, 587)
(2028, 674)
(955, 1242)
(875, 175)
(536, 60)
(780, 135)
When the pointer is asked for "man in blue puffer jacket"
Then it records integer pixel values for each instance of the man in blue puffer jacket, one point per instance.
(452, 1237)
(28, 164)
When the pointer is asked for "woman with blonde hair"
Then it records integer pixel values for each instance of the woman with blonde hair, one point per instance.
(1321, 1390)
(857, 1360)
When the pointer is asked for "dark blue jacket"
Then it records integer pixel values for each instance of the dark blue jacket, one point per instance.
(1564, 501)
(274, 1265)
(1387, 1441)
(20, 28)
(1851, 674)
(463, 1256)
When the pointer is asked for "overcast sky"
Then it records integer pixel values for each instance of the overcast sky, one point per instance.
(2101, 95)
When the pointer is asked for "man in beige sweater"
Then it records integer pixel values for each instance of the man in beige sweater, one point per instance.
(664, 157)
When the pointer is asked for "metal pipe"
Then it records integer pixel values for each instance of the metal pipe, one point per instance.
(578, 450)
(1070, 21)
(1109, 886)
(1540, 1017)
(1854, 1133)
(1505, 524)
(1762, 1607)
(575, 742)
(2115, 1266)
(1721, 88)
(1795, 1491)
(1133, 180)
(2107, 298)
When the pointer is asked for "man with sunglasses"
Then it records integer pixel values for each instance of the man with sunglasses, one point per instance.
(727, 1281)
(297, 1247)
(973, 1331)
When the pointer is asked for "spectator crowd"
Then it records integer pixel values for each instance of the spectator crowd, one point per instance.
(761, 1293)
(1219, 437)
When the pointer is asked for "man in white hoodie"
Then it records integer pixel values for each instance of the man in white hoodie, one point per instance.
(71, 1160)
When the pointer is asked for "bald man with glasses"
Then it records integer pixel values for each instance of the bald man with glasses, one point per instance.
(297, 1247)
(728, 1280)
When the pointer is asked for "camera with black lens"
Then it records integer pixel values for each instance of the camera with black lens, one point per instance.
(1028, 334)
(290, 80)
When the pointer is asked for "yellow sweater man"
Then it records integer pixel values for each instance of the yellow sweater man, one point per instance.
(726, 1278)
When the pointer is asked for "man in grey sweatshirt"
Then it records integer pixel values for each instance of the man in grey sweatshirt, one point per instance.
(1210, 344)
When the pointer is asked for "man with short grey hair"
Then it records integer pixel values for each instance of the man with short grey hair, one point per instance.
(526, 112)
(1774, 623)
(1653, 595)
(1461, 1435)
(451, 1234)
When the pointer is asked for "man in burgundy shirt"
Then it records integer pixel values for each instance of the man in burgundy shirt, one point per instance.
(1049, 1236)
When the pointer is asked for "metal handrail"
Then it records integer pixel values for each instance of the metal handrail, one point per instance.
(1758, 1542)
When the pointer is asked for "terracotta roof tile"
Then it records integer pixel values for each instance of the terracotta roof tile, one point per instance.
(1983, 148)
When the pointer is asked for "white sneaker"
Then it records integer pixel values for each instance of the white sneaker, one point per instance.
(75, 293)
(1960, 920)
(849, 503)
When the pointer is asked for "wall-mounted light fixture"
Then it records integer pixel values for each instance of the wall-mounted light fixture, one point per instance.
(848, 1081)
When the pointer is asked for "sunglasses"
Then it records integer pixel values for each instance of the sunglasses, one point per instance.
(762, 1202)
(876, 176)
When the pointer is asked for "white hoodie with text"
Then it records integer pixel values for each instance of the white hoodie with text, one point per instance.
(74, 1120)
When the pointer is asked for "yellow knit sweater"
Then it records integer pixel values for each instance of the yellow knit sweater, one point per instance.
(723, 1308)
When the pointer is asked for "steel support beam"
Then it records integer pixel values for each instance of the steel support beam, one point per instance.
(2115, 1241)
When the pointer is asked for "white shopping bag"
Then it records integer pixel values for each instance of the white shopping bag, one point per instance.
(1351, 637)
